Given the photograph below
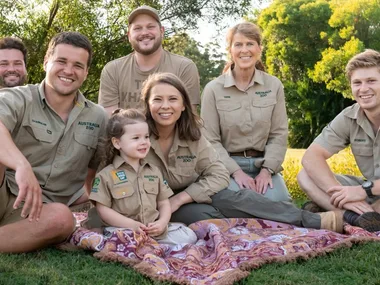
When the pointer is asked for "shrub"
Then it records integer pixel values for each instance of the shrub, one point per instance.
(341, 163)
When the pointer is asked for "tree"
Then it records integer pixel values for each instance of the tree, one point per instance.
(103, 21)
(209, 61)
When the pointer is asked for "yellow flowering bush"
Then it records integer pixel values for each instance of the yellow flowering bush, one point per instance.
(341, 163)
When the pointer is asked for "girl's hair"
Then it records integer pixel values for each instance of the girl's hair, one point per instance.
(189, 124)
(115, 129)
(249, 30)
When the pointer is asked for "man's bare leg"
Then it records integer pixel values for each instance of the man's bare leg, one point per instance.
(55, 225)
(316, 194)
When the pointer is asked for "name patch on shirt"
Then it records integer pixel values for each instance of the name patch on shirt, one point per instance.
(186, 158)
(39, 122)
(151, 178)
(95, 185)
(119, 177)
(359, 140)
(263, 93)
(227, 96)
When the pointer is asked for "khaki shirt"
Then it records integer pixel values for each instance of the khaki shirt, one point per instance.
(238, 120)
(121, 79)
(351, 127)
(193, 166)
(60, 153)
(131, 194)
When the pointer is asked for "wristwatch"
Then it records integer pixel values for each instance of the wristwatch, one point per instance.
(269, 169)
(367, 186)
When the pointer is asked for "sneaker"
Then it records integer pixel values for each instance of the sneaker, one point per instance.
(369, 221)
(311, 206)
(332, 220)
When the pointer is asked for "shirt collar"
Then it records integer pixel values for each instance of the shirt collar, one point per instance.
(356, 113)
(118, 161)
(80, 100)
(229, 79)
(176, 142)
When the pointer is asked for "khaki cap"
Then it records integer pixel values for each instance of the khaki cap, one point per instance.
(144, 10)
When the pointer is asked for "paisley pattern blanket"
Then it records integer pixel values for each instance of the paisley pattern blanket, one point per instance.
(225, 252)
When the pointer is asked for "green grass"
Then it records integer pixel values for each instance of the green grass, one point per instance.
(357, 265)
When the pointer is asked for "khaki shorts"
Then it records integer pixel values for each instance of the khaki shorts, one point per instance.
(8, 215)
(350, 180)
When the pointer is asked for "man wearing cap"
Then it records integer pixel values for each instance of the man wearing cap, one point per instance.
(121, 79)
(12, 62)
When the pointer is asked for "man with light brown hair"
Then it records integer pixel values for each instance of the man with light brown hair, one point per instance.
(121, 79)
(357, 126)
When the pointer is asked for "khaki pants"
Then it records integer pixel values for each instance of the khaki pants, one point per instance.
(177, 233)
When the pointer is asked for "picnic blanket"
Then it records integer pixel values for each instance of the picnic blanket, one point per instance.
(226, 250)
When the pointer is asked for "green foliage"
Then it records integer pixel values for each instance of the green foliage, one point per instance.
(208, 60)
(105, 23)
(307, 45)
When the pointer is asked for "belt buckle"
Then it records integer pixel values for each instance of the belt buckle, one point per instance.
(245, 154)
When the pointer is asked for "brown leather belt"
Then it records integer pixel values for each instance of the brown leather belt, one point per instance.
(248, 153)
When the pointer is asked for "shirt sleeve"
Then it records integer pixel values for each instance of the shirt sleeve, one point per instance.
(99, 191)
(336, 135)
(275, 148)
(108, 91)
(211, 131)
(213, 175)
(12, 106)
(190, 78)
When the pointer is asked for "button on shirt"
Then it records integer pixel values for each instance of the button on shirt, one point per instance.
(131, 194)
(237, 120)
(193, 166)
(351, 127)
(60, 153)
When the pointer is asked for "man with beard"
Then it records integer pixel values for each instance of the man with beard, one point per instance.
(49, 136)
(121, 80)
(12, 62)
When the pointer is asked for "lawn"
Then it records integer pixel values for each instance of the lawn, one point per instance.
(357, 265)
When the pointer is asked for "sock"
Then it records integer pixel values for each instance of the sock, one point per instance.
(350, 217)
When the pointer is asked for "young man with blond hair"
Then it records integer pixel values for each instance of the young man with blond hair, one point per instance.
(357, 126)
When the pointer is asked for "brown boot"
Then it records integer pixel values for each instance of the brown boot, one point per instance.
(332, 220)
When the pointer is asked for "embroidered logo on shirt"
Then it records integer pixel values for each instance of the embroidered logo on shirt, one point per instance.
(186, 158)
(151, 178)
(95, 185)
(263, 93)
(88, 125)
(119, 177)
(227, 96)
(39, 122)
(359, 140)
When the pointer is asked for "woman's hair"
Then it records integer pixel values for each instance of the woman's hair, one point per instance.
(189, 124)
(115, 129)
(366, 59)
(249, 30)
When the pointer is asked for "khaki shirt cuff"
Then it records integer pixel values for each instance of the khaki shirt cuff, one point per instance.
(197, 194)
(232, 166)
(272, 165)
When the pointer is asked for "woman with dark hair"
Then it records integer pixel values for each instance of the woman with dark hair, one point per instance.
(189, 163)
(193, 170)
(245, 117)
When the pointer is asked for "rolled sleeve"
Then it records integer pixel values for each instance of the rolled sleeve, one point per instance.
(211, 131)
(275, 148)
(213, 175)
(335, 136)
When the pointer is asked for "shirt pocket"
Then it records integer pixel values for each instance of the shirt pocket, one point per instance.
(41, 134)
(151, 188)
(231, 113)
(124, 200)
(263, 109)
(89, 141)
(122, 191)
